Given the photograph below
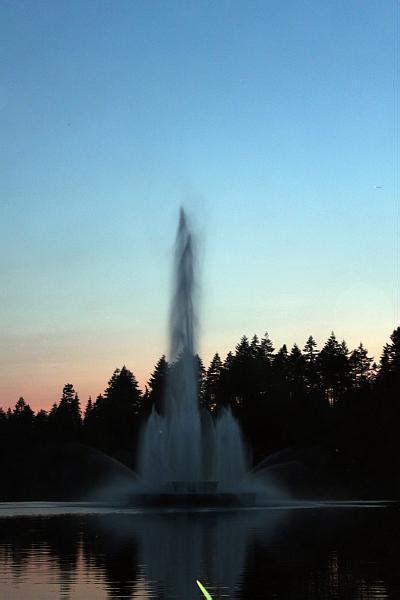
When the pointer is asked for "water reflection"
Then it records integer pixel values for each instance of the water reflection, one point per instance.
(280, 554)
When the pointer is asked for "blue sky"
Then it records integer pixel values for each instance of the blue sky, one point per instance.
(273, 122)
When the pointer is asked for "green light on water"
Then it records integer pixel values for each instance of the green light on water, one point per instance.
(204, 591)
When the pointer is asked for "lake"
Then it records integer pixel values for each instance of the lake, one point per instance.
(313, 551)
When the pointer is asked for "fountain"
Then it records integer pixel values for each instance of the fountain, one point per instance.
(185, 455)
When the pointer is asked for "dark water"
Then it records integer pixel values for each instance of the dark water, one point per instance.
(292, 553)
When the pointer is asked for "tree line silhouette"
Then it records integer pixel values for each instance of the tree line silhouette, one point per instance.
(335, 410)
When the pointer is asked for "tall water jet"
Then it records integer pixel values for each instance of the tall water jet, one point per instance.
(181, 406)
(181, 447)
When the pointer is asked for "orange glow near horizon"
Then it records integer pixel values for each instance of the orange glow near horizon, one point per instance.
(41, 384)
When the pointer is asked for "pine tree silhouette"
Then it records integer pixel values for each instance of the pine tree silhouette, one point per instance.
(157, 387)
(213, 392)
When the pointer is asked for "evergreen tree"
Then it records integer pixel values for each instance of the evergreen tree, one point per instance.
(385, 365)
(389, 368)
(21, 422)
(228, 362)
(3, 424)
(254, 346)
(241, 372)
(117, 416)
(310, 352)
(311, 363)
(263, 366)
(22, 413)
(92, 422)
(67, 414)
(266, 348)
(88, 411)
(280, 375)
(201, 379)
(280, 363)
(334, 369)
(360, 366)
(212, 391)
(243, 350)
(239, 378)
(123, 389)
(374, 370)
(296, 368)
(157, 386)
(52, 417)
(41, 425)
(395, 349)
(226, 387)
(98, 403)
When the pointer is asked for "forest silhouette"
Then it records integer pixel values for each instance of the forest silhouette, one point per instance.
(334, 411)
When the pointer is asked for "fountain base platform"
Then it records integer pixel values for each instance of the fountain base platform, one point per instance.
(193, 494)
(193, 500)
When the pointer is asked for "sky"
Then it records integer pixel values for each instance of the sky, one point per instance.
(273, 122)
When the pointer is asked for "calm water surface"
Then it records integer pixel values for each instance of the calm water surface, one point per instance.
(86, 552)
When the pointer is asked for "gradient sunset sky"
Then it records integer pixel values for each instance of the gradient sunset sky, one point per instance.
(273, 122)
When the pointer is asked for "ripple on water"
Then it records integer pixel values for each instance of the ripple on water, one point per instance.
(279, 552)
